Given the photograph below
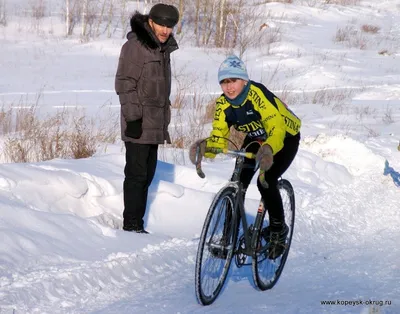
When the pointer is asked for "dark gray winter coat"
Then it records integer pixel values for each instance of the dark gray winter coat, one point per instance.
(143, 82)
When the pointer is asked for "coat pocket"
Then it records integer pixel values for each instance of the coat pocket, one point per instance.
(154, 92)
(154, 84)
(130, 110)
(153, 117)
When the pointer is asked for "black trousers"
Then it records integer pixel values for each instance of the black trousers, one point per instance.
(282, 160)
(140, 167)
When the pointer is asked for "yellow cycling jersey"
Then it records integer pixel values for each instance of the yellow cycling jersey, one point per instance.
(262, 116)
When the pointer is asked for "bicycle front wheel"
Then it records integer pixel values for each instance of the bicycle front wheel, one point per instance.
(266, 272)
(216, 246)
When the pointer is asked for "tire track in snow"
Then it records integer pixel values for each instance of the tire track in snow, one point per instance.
(352, 226)
(88, 286)
(356, 204)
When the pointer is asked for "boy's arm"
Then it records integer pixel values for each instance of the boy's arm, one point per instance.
(274, 125)
(220, 129)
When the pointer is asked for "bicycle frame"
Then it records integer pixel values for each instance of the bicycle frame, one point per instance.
(216, 256)
(250, 237)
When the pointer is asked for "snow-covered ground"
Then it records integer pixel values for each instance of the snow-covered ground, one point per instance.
(62, 249)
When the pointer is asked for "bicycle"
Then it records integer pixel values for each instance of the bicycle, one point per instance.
(220, 240)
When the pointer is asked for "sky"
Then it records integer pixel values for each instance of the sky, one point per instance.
(62, 249)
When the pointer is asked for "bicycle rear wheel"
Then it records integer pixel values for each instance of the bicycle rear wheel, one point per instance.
(216, 246)
(266, 272)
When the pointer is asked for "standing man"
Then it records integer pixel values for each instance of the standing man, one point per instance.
(143, 83)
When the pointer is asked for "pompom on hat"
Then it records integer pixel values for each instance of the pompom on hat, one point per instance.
(232, 67)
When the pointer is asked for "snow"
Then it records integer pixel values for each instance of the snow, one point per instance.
(62, 248)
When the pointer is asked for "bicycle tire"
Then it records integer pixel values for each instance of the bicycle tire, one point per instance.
(266, 272)
(207, 292)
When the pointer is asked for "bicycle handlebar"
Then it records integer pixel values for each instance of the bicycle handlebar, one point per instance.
(225, 151)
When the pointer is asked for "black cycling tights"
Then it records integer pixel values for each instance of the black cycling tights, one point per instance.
(282, 161)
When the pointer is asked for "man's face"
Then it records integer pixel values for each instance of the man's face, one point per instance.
(161, 32)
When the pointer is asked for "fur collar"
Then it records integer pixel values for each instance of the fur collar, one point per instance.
(141, 28)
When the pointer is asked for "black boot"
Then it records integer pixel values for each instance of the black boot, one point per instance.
(134, 228)
(275, 236)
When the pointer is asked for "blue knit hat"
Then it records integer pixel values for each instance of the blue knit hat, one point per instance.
(232, 67)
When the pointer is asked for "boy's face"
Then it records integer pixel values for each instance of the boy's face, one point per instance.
(161, 32)
(232, 87)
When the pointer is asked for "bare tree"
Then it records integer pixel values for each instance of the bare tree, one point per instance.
(250, 29)
(220, 24)
(208, 20)
(124, 17)
(68, 17)
(100, 18)
(197, 20)
(3, 15)
(181, 9)
(110, 18)
(146, 5)
(85, 6)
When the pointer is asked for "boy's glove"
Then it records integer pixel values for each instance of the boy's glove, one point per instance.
(265, 157)
(217, 143)
(193, 150)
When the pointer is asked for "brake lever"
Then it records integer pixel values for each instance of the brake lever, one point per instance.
(261, 176)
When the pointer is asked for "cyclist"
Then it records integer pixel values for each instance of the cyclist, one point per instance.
(251, 108)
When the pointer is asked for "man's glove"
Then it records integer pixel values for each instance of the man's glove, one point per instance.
(134, 129)
(193, 150)
(265, 157)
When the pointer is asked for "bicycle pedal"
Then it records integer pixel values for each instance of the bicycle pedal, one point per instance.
(277, 251)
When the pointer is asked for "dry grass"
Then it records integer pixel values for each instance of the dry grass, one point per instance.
(237, 138)
(373, 29)
(371, 132)
(343, 2)
(281, 1)
(384, 52)
(38, 9)
(351, 37)
(388, 116)
(189, 109)
(365, 111)
(190, 119)
(65, 134)
(192, 114)
(209, 112)
(343, 34)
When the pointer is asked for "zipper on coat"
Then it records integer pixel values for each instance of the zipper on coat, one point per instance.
(166, 100)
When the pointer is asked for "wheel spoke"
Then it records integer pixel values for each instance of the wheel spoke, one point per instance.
(266, 272)
(215, 252)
